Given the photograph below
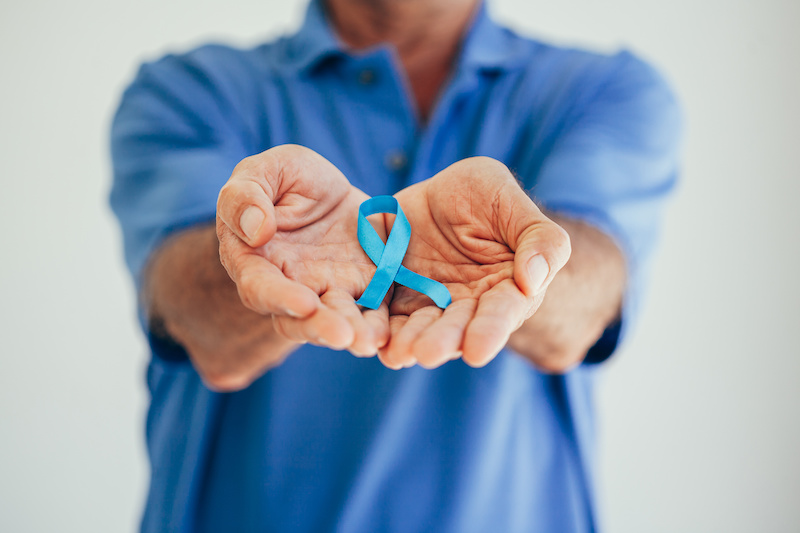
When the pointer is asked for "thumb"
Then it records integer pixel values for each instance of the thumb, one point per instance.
(259, 183)
(543, 249)
(245, 207)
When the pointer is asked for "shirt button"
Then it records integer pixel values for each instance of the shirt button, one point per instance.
(396, 160)
(366, 77)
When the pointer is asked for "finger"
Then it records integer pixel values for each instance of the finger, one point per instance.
(326, 327)
(543, 249)
(401, 344)
(262, 286)
(246, 204)
(442, 340)
(500, 311)
(509, 217)
(379, 321)
(396, 323)
(370, 331)
(265, 289)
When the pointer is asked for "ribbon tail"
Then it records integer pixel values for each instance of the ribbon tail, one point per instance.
(430, 288)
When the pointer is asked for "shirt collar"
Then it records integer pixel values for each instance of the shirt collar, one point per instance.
(314, 42)
(487, 46)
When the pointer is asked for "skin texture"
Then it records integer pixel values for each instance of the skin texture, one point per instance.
(300, 262)
(475, 230)
(284, 267)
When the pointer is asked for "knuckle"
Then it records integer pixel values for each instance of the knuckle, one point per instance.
(563, 240)
(245, 166)
(244, 192)
(225, 198)
(484, 168)
(559, 242)
(489, 164)
(293, 150)
(235, 196)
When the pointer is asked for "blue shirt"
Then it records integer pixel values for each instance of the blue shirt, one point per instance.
(330, 442)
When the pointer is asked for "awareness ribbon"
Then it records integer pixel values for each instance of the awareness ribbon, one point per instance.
(389, 257)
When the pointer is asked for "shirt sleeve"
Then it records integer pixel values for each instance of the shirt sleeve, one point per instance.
(174, 144)
(613, 165)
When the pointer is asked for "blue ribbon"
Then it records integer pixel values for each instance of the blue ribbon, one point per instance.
(389, 257)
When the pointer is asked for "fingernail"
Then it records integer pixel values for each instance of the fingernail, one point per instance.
(538, 270)
(251, 221)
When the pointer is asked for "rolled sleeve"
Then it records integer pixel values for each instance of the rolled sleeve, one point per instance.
(614, 165)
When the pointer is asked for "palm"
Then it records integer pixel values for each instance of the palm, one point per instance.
(470, 225)
(316, 245)
(299, 259)
(453, 248)
(303, 265)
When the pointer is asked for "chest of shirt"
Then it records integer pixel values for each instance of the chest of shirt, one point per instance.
(357, 112)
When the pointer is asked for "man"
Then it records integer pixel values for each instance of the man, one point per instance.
(260, 420)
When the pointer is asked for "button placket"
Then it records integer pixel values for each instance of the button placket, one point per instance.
(366, 76)
(396, 160)
(379, 82)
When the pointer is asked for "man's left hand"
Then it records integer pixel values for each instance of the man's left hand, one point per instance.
(476, 231)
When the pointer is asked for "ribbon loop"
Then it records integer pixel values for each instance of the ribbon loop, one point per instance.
(388, 258)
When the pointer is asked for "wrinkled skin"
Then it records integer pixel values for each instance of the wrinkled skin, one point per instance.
(473, 229)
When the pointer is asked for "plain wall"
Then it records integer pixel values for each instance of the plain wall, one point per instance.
(698, 415)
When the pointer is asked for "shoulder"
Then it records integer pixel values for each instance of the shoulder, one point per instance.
(587, 73)
(620, 89)
(213, 67)
(213, 86)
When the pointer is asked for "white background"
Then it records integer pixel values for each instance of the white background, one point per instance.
(698, 415)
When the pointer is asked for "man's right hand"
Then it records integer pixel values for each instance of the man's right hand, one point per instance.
(286, 223)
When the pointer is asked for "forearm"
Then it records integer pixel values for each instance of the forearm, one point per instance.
(583, 299)
(191, 298)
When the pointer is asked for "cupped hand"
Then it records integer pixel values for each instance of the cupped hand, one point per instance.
(474, 229)
(286, 223)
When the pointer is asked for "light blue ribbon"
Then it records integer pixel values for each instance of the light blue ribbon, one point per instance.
(389, 257)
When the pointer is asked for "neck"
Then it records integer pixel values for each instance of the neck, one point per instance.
(426, 34)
